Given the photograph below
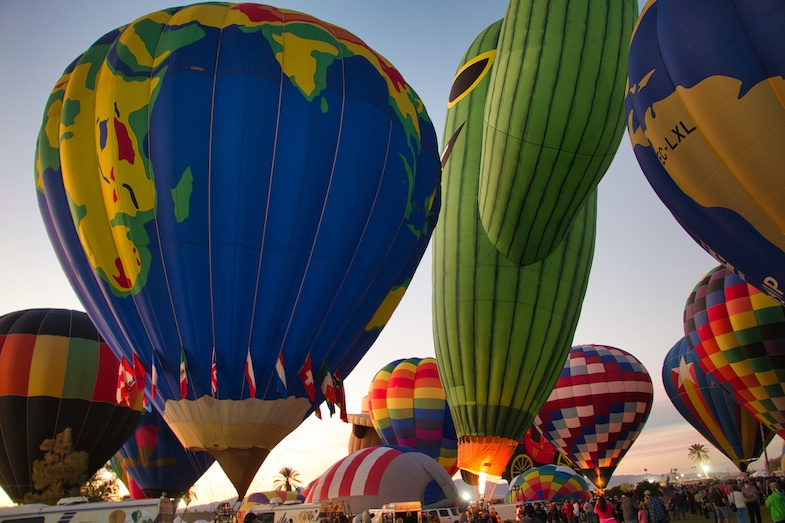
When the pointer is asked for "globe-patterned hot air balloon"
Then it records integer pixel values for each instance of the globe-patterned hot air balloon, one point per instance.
(371, 477)
(548, 483)
(706, 118)
(501, 330)
(597, 408)
(56, 372)
(239, 196)
(408, 408)
(738, 333)
(157, 462)
(554, 118)
(710, 410)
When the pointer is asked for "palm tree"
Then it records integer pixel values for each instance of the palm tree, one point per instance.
(286, 479)
(698, 452)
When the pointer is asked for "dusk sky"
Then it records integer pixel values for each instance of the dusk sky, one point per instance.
(644, 267)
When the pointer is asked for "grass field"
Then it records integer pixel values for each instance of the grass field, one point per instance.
(697, 518)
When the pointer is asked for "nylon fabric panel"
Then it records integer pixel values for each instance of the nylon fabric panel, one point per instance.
(555, 118)
(710, 410)
(502, 331)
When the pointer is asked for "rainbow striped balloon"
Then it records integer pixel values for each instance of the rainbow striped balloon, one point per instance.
(739, 335)
(408, 407)
(548, 483)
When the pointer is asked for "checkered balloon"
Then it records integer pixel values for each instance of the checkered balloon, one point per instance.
(597, 408)
(739, 335)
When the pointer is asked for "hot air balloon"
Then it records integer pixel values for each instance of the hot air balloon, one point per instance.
(548, 483)
(553, 119)
(115, 462)
(712, 411)
(706, 119)
(56, 372)
(363, 434)
(371, 477)
(738, 333)
(501, 330)
(597, 408)
(408, 408)
(240, 196)
(533, 451)
(157, 462)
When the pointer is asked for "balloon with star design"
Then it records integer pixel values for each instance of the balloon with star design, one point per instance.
(710, 410)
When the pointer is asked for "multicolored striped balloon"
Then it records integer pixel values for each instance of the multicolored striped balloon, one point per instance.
(56, 372)
(377, 475)
(710, 410)
(598, 407)
(548, 483)
(408, 407)
(739, 335)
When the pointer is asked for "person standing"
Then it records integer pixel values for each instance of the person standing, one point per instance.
(752, 498)
(720, 500)
(737, 499)
(569, 512)
(588, 509)
(656, 508)
(604, 510)
(776, 503)
(629, 508)
(643, 514)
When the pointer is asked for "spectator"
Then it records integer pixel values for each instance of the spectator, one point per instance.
(720, 500)
(737, 500)
(752, 498)
(629, 508)
(656, 508)
(776, 503)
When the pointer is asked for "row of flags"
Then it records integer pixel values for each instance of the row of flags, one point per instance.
(330, 384)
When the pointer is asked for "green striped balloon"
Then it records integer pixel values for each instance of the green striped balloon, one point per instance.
(502, 331)
(554, 118)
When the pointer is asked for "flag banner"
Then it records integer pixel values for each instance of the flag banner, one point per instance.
(183, 375)
(280, 375)
(306, 375)
(139, 373)
(249, 375)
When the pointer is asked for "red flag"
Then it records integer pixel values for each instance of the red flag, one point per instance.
(340, 395)
(125, 380)
(249, 376)
(154, 382)
(214, 376)
(183, 375)
(306, 375)
(139, 373)
(318, 411)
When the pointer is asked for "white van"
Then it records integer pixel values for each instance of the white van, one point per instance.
(74, 511)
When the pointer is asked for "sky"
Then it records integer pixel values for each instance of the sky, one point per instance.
(644, 266)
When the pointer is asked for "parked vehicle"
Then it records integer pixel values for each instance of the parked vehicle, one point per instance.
(75, 510)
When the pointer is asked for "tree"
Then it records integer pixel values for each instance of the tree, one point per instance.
(286, 479)
(698, 453)
(61, 473)
(103, 486)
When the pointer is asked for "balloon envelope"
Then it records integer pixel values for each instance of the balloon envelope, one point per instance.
(241, 196)
(56, 372)
(371, 477)
(408, 408)
(706, 119)
(548, 483)
(157, 462)
(597, 408)
(502, 331)
(554, 119)
(738, 333)
(710, 410)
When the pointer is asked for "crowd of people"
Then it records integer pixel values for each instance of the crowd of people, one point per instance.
(716, 502)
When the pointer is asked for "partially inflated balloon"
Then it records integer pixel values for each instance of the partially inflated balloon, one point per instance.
(240, 195)
(501, 330)
(56, 372)
(408, 407)
(706, 118)
(738, 333)
(117, 467)
(548, 483)
(597, 408)
(157, 462)
(710, 410)
(554, 117)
